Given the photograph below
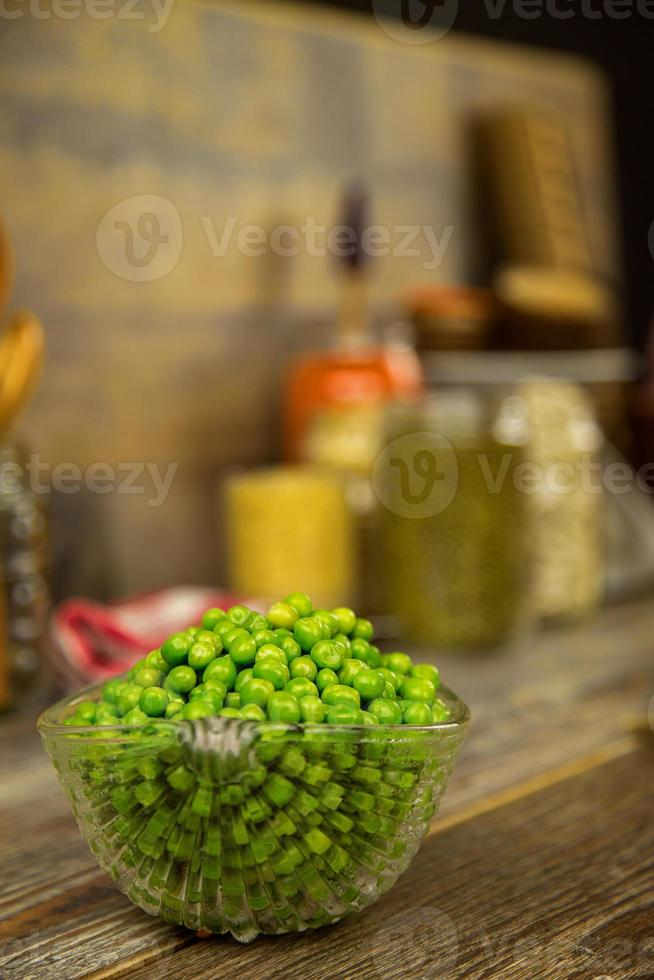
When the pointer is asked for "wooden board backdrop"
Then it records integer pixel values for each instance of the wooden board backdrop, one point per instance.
(261, 114)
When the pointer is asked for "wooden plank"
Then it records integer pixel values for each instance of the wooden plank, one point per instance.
(543, 714)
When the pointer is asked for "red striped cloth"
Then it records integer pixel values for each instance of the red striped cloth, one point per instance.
(89, 642)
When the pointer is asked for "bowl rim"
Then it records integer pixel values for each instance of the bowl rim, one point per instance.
(47, 724)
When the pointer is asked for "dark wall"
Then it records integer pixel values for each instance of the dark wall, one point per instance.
(624, 47)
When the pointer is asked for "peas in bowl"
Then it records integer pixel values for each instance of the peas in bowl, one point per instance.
(250, 797)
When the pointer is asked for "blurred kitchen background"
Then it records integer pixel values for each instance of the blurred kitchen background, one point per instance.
(320, 300)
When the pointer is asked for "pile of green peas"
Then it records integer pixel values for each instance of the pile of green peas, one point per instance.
(294, 665)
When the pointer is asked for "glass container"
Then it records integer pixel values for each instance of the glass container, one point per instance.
(291, 524)
(24, 568)
(565, 500)
(247, 827)
(452, 517)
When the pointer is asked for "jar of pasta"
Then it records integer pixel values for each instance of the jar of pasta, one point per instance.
(289, 528)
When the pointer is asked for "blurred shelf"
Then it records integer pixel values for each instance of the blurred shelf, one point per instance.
(598, 366)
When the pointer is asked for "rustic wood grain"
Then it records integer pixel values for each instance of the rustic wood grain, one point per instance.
(538, 889)
(540, 863)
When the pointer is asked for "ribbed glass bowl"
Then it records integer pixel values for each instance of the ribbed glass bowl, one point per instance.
(252, 827)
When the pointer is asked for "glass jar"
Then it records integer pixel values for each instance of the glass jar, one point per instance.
(24, 564)
(452, 518)
(566, 501)
(289, 528)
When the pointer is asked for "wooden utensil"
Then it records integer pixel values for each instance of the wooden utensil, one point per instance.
(6, 266)
(21, 357)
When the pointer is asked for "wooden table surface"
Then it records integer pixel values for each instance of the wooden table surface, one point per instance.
(540, 863)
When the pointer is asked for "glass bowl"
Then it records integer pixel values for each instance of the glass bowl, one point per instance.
(252, 827)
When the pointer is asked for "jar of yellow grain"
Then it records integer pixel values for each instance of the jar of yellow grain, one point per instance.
(290, 527)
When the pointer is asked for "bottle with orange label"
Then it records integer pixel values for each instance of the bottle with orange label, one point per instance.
(334, 398)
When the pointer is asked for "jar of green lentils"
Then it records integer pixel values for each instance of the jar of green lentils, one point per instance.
(452, 517)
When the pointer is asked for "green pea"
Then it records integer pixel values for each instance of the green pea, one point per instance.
(283, 707)
(417, 713)
(269, 651)
(214, 697)
(427, 672)
(343, 713)
(389, 691)
(213, 684)
(386, 712)
(252, 712)
(346, 619)
(200, 655)
(111, 690)
(325, 677)
(301, 687)
(269, 670)
(129, 698)
(243, 650)
(330, 621)
(345, 643)
(283, 615)
(308, 632)
(238, 614)
(156, 661)
(439, 711)
(153, 701)
(369, 719)
(327, 654)
(175, 649)
(350, 669)
(182, 679)
(257, 691)
(361, 650)
(106, 714)
(340, 692)
(399, 663)
(256, 622)
(135, 716)
(147, 677)
(390, 676)
(222, 627)
(264, 636)
(301, 602)
(242, 678)
(303, 667)
(173, 708)
(192, 631)
(281, 633)
(417, 689)
(291, 648)
(211, 617)
(221, 669)
(208, 636)
(86, 711)
(312, 710)
(233, 635)
(233, 700)
(363, 629)
(196, 709)
(230, 713)
(369, 684)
